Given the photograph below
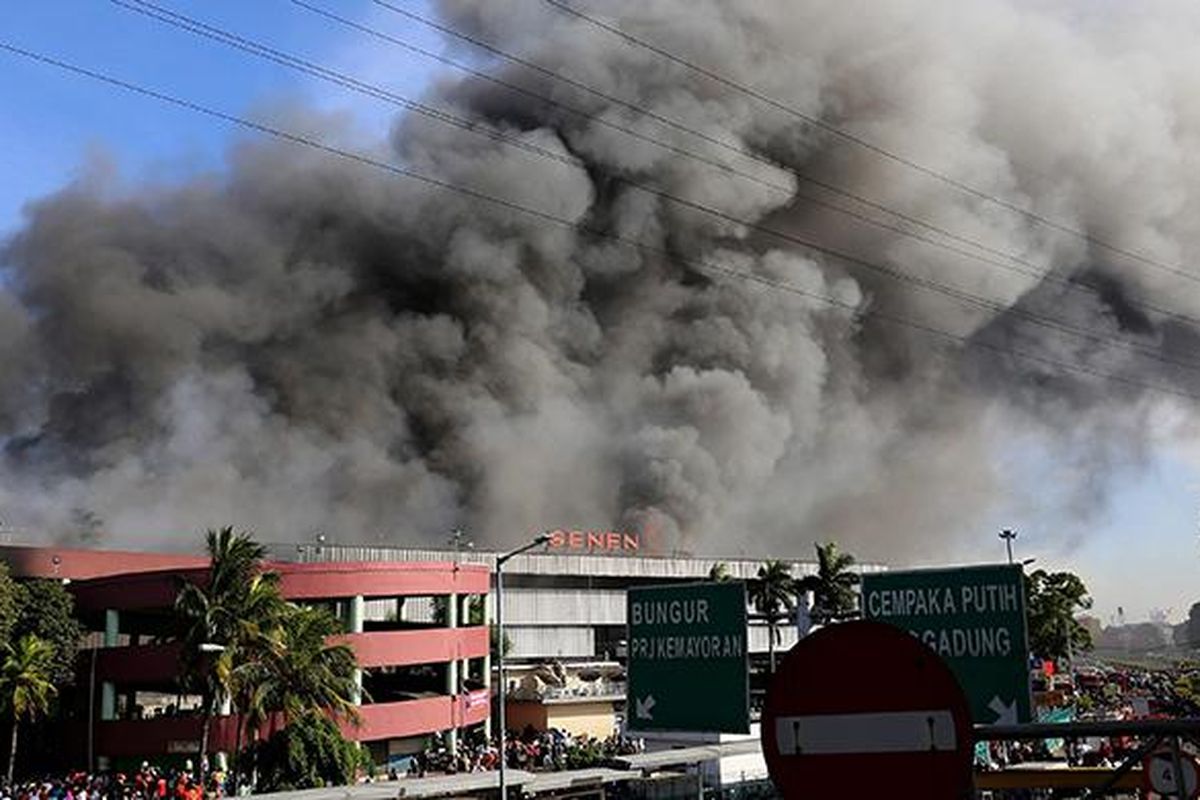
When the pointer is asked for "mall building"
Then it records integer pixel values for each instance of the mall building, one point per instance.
(417, 678)
(565, 601)
(564, 606)
(415, 618)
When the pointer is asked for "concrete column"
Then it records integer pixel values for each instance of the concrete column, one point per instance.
(488, 618)
(464, 619)
(452, 677)
(108, 690)
(112, 627)
(357, 608)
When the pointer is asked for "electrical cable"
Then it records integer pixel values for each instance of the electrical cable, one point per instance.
(699, 264)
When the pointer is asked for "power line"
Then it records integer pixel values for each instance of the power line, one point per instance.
(883, 152)
(1011, 261)
(699, 264)
(258, 49)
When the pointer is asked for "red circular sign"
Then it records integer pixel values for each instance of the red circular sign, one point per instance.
(863, 709)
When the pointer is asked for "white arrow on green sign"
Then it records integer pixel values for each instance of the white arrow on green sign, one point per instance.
(974, 618)
(687, 658)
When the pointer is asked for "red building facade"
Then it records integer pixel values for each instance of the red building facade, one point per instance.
(417, 672)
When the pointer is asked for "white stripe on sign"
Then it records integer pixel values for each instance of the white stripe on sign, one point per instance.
(888, 732)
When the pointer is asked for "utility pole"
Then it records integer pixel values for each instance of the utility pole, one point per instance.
(500, 561)
(1008, 536)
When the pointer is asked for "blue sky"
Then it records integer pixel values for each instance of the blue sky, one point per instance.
(1140, 553)
(51, 120)
(1139, 550)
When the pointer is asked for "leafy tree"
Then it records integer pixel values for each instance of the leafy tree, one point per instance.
(719, 572)
(471, 615)
(498, 646)
(1190, 635)
(26, 685)
(211, 616)
(46, 609)
(257, 637)
(475, 616)
(1052, 600)
(309, 753)
(305, 674)
(773, 593)
(9, 598)
(834, 586)
(298, 675)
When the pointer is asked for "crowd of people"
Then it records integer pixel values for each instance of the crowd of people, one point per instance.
(1096, 693)
(1099, 693)
(147, 783)
(530, 750)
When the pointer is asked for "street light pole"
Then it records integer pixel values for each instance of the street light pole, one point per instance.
(500, 560)
(1008, 536)
(207, 649)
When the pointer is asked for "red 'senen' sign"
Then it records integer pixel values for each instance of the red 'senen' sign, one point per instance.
(593, 540)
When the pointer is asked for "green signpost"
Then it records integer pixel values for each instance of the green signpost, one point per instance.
(974, 617)
(687, 658)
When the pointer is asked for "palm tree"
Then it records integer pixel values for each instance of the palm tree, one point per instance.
(26, 683)
(773, 592)
(212, 616)
(834, 586)
(720, 573)
(257, 637)
(318, 676)
(303, 673)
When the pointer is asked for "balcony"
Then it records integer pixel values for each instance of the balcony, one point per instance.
(423, 646)
(174, 735)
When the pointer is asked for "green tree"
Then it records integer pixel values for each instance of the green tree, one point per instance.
(719, 572)
(306, 674)
(212, 614)
(46, 609)
(257, 638)
(1052, 601)
(472, 614)
(1189, 635)
(299, 675)
(773, 594)
(475, 616)
(9, 601)
(497, 645)
(26, 685)
(834, 586)
(309, 753)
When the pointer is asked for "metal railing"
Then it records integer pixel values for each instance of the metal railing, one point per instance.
(1154, 734)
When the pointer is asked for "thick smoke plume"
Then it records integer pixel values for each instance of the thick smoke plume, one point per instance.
(308, 344)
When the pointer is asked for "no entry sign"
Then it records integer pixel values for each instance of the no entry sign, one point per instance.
(863, 709)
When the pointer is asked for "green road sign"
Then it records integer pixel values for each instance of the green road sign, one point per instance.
(687, 658)
(974, 617)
